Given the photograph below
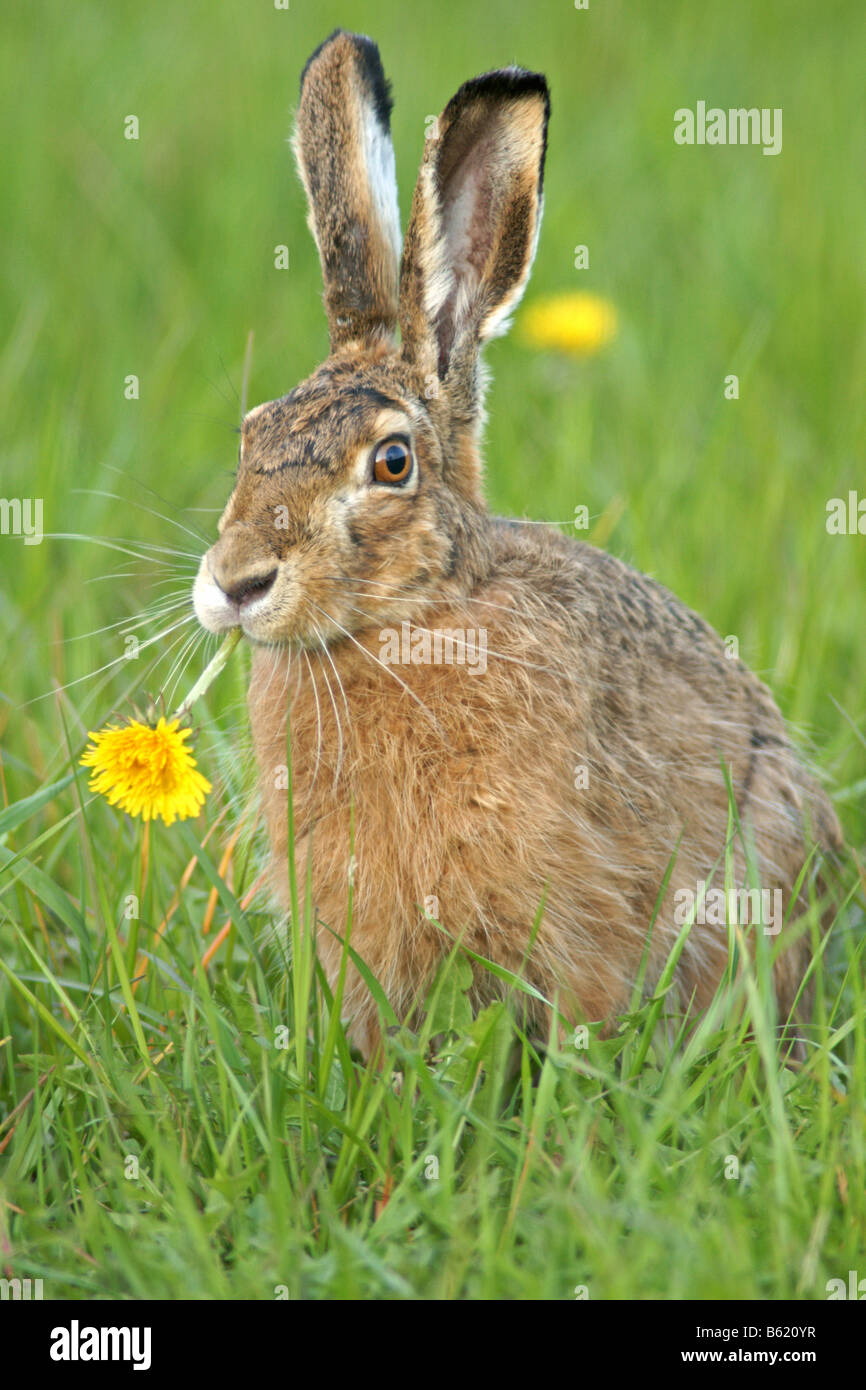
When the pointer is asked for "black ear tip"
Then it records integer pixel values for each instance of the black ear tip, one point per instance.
(503, 84)
(370, 68)
(522, 80)
(374, 75)
(499, 87)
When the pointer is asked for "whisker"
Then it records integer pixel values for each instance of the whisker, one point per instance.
(144, 576)
(336, 711)
(430, 601)
(248, 362)
(190, 617)
(561, 672)
(318, 721)
(386, 669)
(78, 712)
(268, 678)
(121, 548)
(183, 660)
(181, 642)
(327, 652)
(128, 624)
(197, 535)
(130, 502)
(234, 389)
(290, 658)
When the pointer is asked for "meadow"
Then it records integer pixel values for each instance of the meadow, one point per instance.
(180, 1112)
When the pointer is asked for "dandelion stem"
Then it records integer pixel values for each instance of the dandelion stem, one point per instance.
(209, 674)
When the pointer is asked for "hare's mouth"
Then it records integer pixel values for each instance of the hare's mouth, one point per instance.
(251, 589)
(237, 605)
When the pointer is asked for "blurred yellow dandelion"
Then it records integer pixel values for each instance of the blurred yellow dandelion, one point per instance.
(577, 322)
(147, 772)
(150, 772)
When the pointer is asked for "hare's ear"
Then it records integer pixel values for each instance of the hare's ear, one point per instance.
(474, 225)
(346, 160)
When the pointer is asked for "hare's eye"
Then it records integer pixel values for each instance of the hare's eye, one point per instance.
(392, 462)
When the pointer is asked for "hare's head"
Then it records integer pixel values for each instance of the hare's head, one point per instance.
(364, 483)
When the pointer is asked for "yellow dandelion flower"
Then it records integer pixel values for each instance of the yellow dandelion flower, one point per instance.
(577, 322)
(147, 772)
(150, 772)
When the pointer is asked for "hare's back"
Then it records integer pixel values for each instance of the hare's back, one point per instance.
(662, 696)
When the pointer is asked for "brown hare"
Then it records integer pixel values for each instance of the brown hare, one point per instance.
(588, 748)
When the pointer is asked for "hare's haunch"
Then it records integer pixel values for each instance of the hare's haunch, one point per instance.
(509, 717)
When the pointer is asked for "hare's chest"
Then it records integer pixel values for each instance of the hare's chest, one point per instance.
(392, 780)
(351, 756)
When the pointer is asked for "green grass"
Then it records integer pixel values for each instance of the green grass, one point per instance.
(262, 1166)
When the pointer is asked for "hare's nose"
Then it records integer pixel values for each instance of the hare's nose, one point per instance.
(244, 588)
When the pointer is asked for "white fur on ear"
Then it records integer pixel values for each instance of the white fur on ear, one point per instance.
(477, 215)
(345, 158)
(378, 155)
(437, 267)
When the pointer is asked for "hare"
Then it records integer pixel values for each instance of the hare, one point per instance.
(357, 554)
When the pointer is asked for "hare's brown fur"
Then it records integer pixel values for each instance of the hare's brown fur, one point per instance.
(479, 809)
(462, 785)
